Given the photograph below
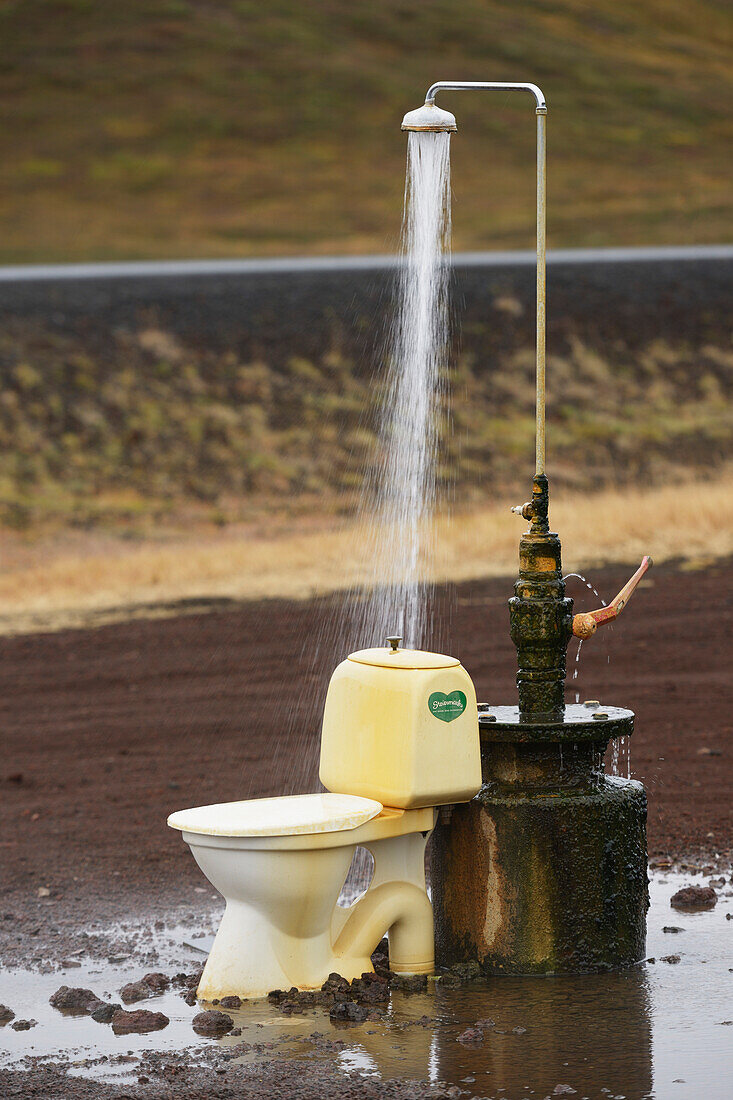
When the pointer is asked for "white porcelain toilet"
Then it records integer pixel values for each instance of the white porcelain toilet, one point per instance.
(400, 738)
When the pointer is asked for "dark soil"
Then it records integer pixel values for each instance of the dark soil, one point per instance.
(107, 731)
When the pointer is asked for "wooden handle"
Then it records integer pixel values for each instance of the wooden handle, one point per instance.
(587, 623)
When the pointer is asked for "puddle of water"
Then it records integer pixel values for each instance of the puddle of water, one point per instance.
(654, 1031)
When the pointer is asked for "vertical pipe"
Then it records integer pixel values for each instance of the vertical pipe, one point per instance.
(541, 292)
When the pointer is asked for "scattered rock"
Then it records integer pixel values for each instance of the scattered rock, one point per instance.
(669, 958)
(410, 983)
(105, 1014)
(694, 897)
(471, 1037)
(212, 1023)
(231, 1002)
(139, 1022)
(70, 964)
(6, 1015)
(157, 982)
(190, 997)
(23, 1025)
(349, 1011)
(448, 980)
(136, 991)
(485, 1024)
(288, 1008)
(672, 928)
(563, 1090)
(370, 989)
(14, 777)
(82, 1001)
(518, 1030)
(334, 983)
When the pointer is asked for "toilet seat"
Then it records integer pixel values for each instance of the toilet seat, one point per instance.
(291, 815)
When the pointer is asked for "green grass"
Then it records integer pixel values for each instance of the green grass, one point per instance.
(174, 128)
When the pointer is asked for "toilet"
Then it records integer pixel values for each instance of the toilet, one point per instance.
(399, 739)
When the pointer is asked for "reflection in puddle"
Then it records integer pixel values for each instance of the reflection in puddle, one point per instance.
(655, 1030)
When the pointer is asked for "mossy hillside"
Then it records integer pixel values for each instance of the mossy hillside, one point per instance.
(152, 424)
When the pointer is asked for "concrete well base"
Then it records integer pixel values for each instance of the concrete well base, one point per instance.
(546, 882)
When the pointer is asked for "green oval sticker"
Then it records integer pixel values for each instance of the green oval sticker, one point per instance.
(447, 707)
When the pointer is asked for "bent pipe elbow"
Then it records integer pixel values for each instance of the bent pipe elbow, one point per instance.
(403, 910)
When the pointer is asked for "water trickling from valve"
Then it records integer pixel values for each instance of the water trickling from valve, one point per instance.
(619, 748)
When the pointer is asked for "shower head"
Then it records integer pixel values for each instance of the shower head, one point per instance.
(429, 117)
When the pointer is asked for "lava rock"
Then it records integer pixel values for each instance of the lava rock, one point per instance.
(157, 982)
(231, 1002)
(471, 1037)
(138, 1022)
(136, 991)
(448, 980)
(349, 1012)
(23, 1025)
(694, 897)
(6, 1015)
(410, 983)
(105, 1014)
(334, 983)
(370, 989)
(75, 999)
(190, 997)
(212, 1023)
(288, 1008)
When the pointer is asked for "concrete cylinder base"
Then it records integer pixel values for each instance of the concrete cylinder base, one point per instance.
(542, 882)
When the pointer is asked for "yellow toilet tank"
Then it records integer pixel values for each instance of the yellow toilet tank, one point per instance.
(401, 726)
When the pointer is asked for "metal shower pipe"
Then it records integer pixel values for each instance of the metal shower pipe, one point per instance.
(541, 113)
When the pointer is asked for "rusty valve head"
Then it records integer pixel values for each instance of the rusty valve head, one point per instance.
(584, 626)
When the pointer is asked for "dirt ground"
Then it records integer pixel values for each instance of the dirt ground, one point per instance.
(106, 731)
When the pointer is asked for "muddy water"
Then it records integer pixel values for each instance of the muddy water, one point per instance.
(657, 1030)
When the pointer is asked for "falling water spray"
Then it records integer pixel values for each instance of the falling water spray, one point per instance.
(401, 490)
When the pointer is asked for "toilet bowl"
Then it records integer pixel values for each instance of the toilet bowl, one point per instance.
(399, 738)
(280, 863)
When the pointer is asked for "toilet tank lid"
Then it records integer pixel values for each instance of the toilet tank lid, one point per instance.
(385, 657)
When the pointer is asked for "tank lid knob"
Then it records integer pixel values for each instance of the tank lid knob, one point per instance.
(395, 642)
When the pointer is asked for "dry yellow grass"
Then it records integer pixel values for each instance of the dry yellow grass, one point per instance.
(92, 585)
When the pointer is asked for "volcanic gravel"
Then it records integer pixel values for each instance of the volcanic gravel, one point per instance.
(107, 731)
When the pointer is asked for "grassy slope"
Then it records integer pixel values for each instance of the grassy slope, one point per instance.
(173, 128)
(152, 427)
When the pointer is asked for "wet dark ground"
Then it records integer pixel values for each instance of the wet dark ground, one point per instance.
(106, 731)
(659, 1029)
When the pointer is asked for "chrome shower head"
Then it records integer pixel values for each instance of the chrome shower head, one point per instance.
(429, 117)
